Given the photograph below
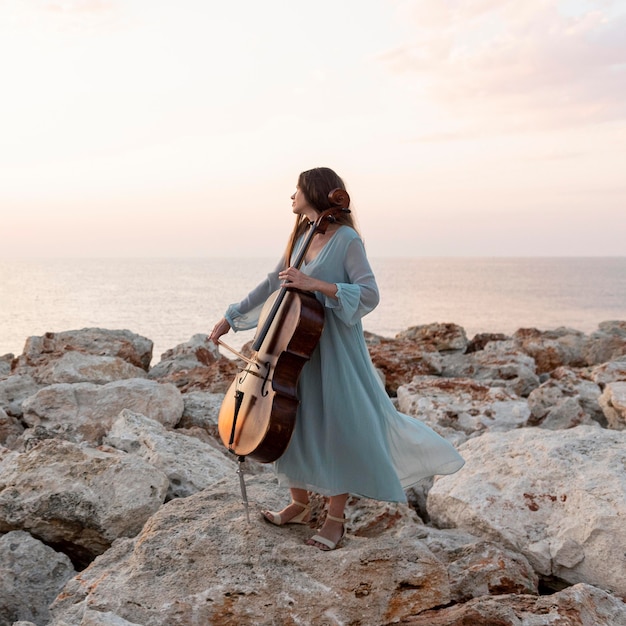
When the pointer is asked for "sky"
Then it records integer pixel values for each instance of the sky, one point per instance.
(178, 128)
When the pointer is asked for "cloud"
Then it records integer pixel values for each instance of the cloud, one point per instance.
(515, 65)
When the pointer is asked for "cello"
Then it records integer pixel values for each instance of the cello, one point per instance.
(258, 414)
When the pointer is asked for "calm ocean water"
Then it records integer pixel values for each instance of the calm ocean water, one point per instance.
(169, 300)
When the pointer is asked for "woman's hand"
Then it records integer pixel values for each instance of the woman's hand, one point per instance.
(221, 328)
(293, 277)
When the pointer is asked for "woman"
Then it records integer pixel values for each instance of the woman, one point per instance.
(348, 437)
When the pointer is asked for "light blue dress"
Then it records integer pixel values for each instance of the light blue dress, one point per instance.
(348, 437)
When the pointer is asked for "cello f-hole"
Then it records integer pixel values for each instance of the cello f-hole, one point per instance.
(264, 391)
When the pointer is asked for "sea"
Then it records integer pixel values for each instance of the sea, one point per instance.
(170, 300)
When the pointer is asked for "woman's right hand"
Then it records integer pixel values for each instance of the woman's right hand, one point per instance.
(221, 328)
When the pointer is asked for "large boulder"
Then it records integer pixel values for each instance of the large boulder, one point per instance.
(76, 498)
(128, 346)
(552, 348)
(558, 497)
(85, 411)
(459, 408)
(190, 464)
(197, 560)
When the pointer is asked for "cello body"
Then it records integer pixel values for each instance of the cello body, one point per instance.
(266, 416)
(258, 414)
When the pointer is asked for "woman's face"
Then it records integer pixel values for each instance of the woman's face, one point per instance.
(300, 205)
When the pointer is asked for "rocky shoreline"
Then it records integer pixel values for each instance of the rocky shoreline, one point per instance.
(119, 506)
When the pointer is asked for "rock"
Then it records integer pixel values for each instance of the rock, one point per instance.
(437, 337)
(479, 568)
(480, 340)
(499, 364)
(198, 561)
(14, 390)
(565, 400)
(85, 412)
(78, 367)
(611, 372)
(93, 617)
(608, 343)
(76, 498)
(5, 365)
(189, 464)
(459, 408)
(201, 408)
(196, 366)
(397, 361)
(414, 352)
(613, 403)
(552, 348)
(31, 576)
(526, 489)
(579, 605)
(39, 351)
(10, 429)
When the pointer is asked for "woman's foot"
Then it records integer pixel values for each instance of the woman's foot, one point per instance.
(331, 533)
(294, 513)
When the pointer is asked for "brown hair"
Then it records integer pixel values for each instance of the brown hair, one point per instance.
(316, 184)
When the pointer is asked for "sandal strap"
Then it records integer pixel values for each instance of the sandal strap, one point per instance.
(336, 519)
(302, 504)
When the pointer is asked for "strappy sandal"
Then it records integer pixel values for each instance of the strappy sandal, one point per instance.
(330, 545)
(275, 518)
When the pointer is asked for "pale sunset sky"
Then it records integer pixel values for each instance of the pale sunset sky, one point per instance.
(176, 128)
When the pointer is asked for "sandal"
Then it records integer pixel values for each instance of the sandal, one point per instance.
(275, 518)
(330, 545)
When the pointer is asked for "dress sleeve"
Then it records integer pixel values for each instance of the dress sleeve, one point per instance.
(245, 314)
(359, 294)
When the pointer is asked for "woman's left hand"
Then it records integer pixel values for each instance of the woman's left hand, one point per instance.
(293, 277)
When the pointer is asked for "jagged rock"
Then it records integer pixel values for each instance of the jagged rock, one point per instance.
(133, 348)
(414, 352)
(558, 497)
(189, 464)
(611, 372)
(398, 361)
(85, 411)
(565, 400)
(552, 348)
(480, 340)
(499, 364)
(196, 365)
(460, 407)
(5, 365)
(613, 403)
(14, 390)
(579, 605)
(201, 410)
(479, 568)
(198, 561)
(10, 429)
(76, 498)
(437, 337)
(78, 367)
(31, 576)
(608, 343)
